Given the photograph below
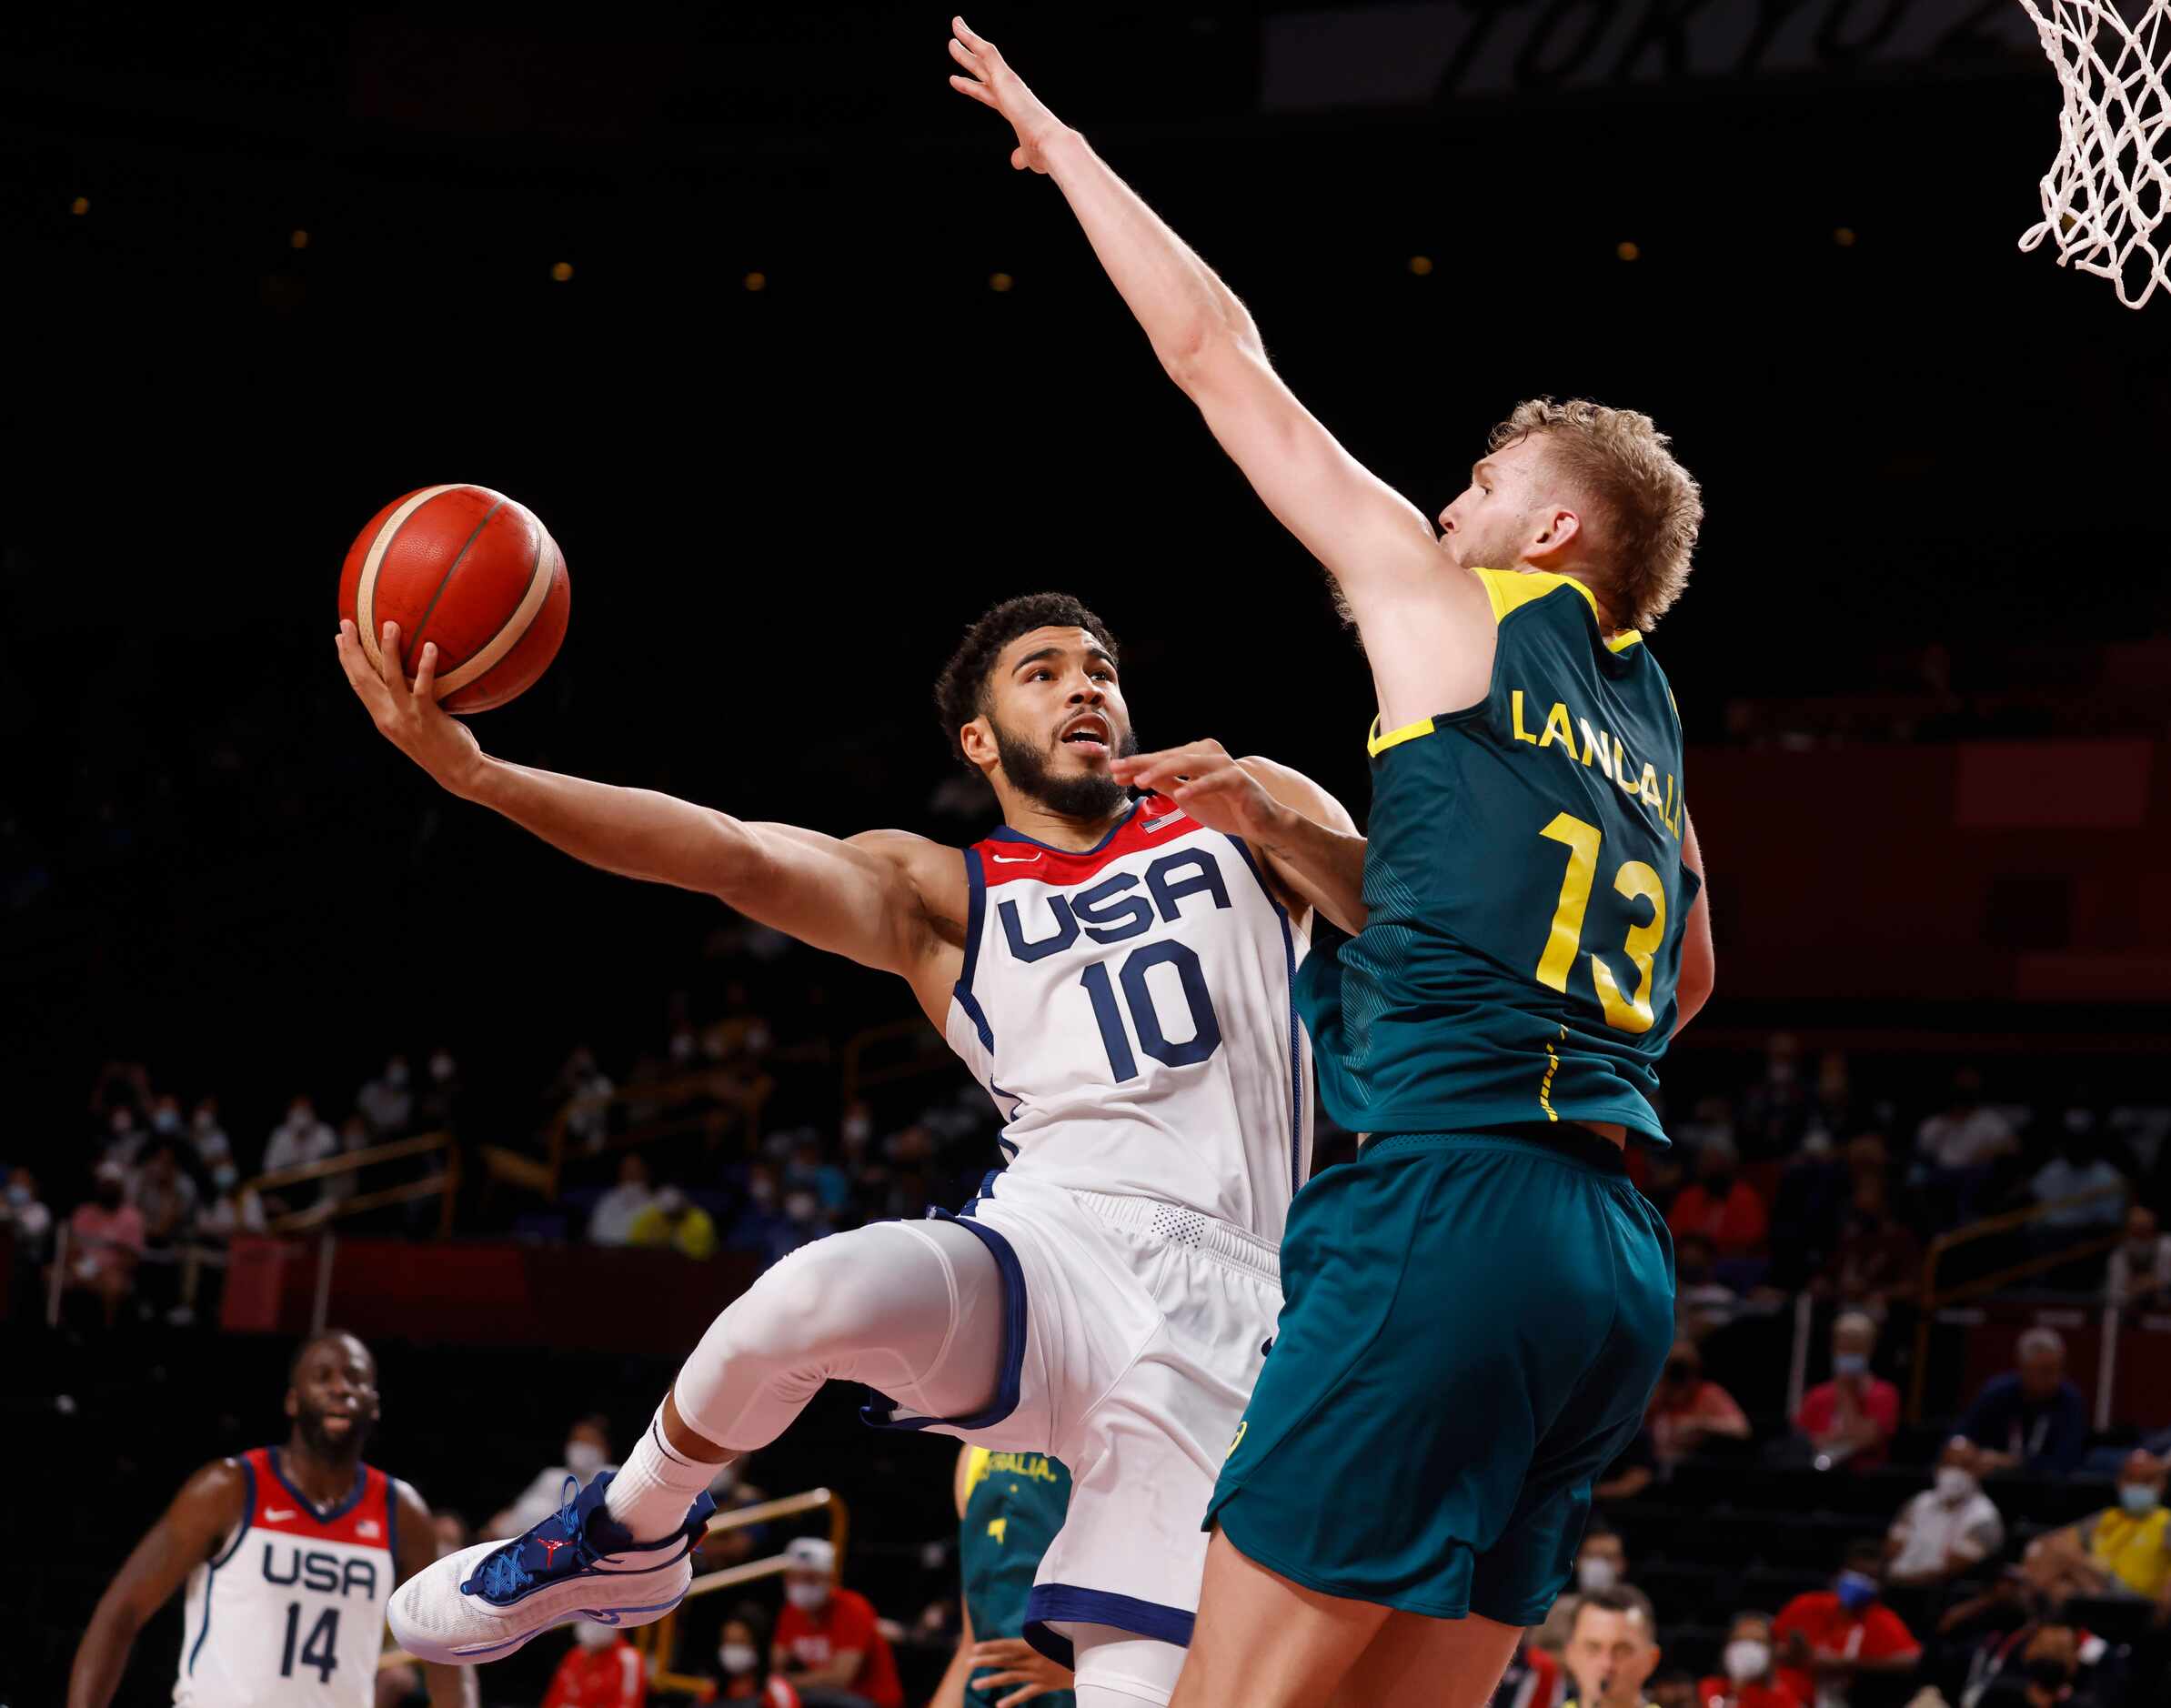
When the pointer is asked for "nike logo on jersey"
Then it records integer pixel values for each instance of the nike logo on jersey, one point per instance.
(273, 1514)
(1014, 860)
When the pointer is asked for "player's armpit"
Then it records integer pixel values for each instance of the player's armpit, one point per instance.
(886, 899)
(205, 1511)
(1319, 854)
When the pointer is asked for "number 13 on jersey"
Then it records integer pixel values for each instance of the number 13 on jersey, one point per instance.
(1633, 881)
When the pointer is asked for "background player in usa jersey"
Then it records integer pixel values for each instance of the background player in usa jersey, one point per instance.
(290, 1554)
(1120, 978)
(1492, 1030)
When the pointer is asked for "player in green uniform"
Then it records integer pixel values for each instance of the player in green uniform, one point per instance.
(1010, 1506)
(1476, 1309)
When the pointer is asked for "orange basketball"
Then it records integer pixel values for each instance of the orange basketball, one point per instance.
(475, 572)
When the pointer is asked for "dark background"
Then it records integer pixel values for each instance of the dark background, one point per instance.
(780, 506)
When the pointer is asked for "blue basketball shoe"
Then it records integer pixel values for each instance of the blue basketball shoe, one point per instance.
(483, 1602)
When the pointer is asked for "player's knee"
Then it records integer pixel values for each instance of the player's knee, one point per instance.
(1119, 1670)
(823, 1297)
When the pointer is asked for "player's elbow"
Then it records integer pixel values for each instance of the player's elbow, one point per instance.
(733, 864)
(1693, 990)
(1201, 357)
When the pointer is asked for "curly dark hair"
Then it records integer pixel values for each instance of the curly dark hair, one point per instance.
(961, 690)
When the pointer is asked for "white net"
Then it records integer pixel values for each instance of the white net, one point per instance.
(2109, 189)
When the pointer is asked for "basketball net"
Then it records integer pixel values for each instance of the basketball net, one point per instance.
(2109, 189)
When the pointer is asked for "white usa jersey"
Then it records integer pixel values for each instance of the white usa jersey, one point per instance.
(1130, 1010)
(290, 1612)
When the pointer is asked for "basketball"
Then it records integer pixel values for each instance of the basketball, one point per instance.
(471, 569)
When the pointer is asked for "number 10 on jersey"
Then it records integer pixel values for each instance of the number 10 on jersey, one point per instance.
(1137, 998)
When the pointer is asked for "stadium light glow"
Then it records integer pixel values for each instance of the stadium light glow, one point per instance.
(79, 206)
(756, 281)
(297, 238)
(1420, 265)
(1843, 235)
(999, 281)
(561, 271)
(1627, 251)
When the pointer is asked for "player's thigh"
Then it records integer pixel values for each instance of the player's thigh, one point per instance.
(1265, 1642)
(1415, 1660)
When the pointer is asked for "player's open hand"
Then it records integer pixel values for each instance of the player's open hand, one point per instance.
(1017, 1662)
(990, 80)
(408, 714)
(1206, 782)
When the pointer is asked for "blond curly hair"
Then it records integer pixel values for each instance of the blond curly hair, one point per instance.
(1648, 505)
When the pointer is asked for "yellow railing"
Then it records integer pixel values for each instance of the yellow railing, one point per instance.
(1933, 1301)
(655, 1641)
(444, 1186)
(724, 1095)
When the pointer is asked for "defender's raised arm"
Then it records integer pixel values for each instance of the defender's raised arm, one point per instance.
(1421, 618)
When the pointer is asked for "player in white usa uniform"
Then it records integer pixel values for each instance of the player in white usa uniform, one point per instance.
(289, 1554)
(1119, 977)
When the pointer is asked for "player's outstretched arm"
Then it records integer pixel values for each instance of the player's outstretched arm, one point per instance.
(872, 898)
(1307, 836)
(207, 1508)
(1421, 617)
(450, 1686)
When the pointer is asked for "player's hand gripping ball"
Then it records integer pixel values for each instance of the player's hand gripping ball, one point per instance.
(471, 571)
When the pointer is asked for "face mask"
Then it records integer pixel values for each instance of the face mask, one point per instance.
(762, 1190)
(738, 1657)
(583, 1459)
(1747, 1659)
(299, 1115)
(1594, 1573)
(1855, 1591)
(682, 1047)
(18, 1195)
(1954, 1484)
(807, 1597)
(167, 1121)
(801, 1206)
(440, 1068)
(858, 1129)
(226, 1177)
(1849, 1364)
(2140, 1499)
(2047, 1671)
(591, 1634)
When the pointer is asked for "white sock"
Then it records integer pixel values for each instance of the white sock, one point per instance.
(655, 1486)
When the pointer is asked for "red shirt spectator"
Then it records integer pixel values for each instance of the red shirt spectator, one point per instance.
(103, 1237)
(1724, 1210)
(1873, 1633)
(1719, 1692)
(1685, 1408)
(608, 1676)
(845, 1621)
(771, 1693)
(1875, 1400)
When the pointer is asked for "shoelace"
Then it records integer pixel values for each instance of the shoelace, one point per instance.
(502, 1575)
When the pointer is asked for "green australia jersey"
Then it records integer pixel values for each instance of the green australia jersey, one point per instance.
(1526, 893)
(1014, 1504)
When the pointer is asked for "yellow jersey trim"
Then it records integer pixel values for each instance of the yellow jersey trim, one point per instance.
(1509, 590)
(976, 1469)
(1376, 744)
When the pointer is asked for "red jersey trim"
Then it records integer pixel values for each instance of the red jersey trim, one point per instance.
(363, 1520)
(1009, 856)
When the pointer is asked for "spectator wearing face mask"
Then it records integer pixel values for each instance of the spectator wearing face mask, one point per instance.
(166, 1196)
(828, 1645)
(24, 1215)
(2138, 1276)
(1687, 1411)
(166, 1116)
(1960, 1145)
(387, 1101)
(1720, 1205)
(1950, 1528)
(587, 1452)
(106, 1238)
(1601, 1561)
(1828, 1638)
(1850, 1419)
(2123, 1551)
(601, 1669)
(675, 1220)
(295, 1142)
(611, 1221)
(761, 1227)
(125, 1137)
(2043, 1663)
(2031, 1418)
(1749, 1676)
(441, 1097)
(209, 1137)
(232, 1206)
(1702, 1302)
(810, 1170)
(742, 1663)
(2080, 1169)
(1613, 1648)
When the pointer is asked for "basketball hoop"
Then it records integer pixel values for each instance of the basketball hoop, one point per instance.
(2109, 189)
